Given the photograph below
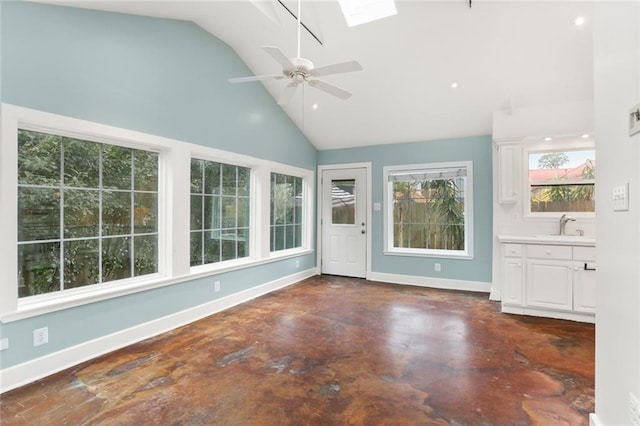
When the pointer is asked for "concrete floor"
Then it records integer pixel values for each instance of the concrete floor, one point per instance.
(333, 351)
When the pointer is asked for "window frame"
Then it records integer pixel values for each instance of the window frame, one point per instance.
(389, 249)
(302, 217)
(174, 158)
(101, 190)
(251, 221)
(561, 145)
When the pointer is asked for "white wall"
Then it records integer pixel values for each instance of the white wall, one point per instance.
(543, 120)
(616, 90)
(527, 127)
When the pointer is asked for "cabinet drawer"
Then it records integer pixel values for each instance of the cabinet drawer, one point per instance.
(549, 252)
(584, 253)
(512, 250)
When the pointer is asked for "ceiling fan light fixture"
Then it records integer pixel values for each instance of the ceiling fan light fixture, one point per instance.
(357, 12)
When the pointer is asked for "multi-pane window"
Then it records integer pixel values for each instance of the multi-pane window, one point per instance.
(286, 211)
(562, 181)
(428, 209)
(220, 220)
(87, 212)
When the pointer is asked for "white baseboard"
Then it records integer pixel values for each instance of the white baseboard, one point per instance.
(549, 313)
(441, 283)
(594, 420)
(30, 371)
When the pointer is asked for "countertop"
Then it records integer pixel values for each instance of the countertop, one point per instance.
(566, 240)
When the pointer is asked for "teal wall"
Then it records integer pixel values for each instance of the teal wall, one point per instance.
(476, 149)
(157, 76)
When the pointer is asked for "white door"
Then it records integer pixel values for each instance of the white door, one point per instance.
(344, 227)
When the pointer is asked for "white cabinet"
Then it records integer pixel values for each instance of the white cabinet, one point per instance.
(512, 271)
(584, 280)
(550, 284)
(549, 280)
(509, 155)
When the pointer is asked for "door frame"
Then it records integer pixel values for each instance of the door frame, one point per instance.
(319, 198)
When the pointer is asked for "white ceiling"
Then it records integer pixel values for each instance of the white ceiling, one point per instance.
(499, 52)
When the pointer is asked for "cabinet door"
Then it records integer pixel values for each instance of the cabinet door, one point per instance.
(549, 284)
(513, 281)
(509, 173)
(584, 288)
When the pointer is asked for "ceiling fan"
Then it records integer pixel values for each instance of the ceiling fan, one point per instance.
(300, 70)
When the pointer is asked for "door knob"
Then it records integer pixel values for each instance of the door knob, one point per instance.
(362, 223)
(363, 231)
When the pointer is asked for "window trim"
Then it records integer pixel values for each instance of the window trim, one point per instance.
(574, 144)
(467, 253)
(173, 211)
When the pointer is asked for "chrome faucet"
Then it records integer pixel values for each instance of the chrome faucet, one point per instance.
(563, 222)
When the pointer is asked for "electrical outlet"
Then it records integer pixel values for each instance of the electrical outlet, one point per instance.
(437, 267)
(40, 336)
(4, 344)
(297, 263)
(635, 410)
(216, 286)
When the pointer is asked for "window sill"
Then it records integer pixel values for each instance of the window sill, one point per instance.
(47, 303)
(440, 254)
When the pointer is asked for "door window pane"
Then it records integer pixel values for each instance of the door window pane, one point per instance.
(343, 202)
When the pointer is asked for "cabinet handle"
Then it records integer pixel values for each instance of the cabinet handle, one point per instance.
(586, 268)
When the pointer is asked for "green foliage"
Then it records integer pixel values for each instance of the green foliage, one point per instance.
(429, 214)
(57, 174)
(286, 211)
(553, 160)
(219, 211)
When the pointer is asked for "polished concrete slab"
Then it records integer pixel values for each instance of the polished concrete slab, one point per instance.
(333, 351)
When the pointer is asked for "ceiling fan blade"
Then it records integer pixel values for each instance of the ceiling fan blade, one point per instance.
(256, 78)
(349, 66)
(280, 57)
(330, 89)
(287, 94)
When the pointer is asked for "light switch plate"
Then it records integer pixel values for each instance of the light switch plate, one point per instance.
(634, 120)
(620, 198)
(4, 343)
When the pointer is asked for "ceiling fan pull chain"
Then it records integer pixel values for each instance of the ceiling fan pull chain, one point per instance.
(299, 20)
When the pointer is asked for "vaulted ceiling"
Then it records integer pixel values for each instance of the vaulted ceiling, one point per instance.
(502, 54)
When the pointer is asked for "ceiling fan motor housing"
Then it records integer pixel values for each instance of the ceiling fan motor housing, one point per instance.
(301, 72)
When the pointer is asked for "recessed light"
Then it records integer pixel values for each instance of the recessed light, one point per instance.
(314, 106)
(454, 85)
(585, 136)
(579, 21)
(548, 138)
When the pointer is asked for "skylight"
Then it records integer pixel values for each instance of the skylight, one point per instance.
(358, 12)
